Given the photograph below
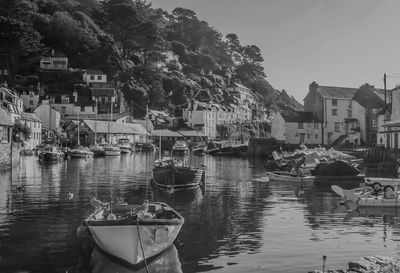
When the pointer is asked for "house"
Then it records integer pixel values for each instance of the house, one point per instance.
(94, 76)
(241, 92)
(55, 60)
(345, 115)
(5, 139)
(296, 127)
(161, 119)
(30, 100)
(106, 96)
(70, 105)
(35, 125)
(50, 118)
(389, 120)
(103, 131)
(201, 117)
(12, 102)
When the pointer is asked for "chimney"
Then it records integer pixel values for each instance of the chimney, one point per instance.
(75, 95)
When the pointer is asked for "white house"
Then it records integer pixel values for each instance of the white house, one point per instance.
(94, 76)
(35, 124)
(241, 92)
(295, 127)
(203, 117)
(55, 60)
(30, 100)
(12, 102)
(50, 118)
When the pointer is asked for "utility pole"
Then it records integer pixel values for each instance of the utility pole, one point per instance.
(384, 84)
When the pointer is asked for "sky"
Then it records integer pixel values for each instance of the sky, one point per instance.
(333, 42)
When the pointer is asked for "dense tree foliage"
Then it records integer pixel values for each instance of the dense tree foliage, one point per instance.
(155, 57)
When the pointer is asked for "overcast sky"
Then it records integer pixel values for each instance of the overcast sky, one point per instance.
(333, 42)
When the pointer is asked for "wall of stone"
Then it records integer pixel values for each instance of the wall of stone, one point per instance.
(9, 155)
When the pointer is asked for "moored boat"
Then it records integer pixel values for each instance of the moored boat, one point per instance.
(366, 197)
(180, 148)
(289, 177)
(169, 174)
(50, 153)
(112, 150)
(124, 145)
(133, 233)
(381, 181)
(97, 150)
(80, 152)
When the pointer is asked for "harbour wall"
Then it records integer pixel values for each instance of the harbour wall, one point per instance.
(9, 155)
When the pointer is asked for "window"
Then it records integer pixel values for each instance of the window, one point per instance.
(64, 100)
(316, 125)
(63, 110)
(334, 102)
(82, 108)
(31, 102)
(349, 113)
(334, 112)
(316, 136)
(91, 77)
(387, 115)
(337, 126)
(374, 124)
(300, 125)
(308, 136)
(99, 77)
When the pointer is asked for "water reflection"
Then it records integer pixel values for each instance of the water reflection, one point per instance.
(238, 225)
(166, 262)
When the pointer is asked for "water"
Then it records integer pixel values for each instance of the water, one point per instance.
(237, 226)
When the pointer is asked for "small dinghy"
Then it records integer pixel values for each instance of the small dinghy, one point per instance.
(133, 233)
(367, 197)
(289, 177)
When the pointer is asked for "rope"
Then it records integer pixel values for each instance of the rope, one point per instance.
(141, 245)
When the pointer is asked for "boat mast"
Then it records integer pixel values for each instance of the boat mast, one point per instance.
(108, 126)
(95, 127)
(111, 116)
(147, 114)
(79, 142)
(159, 145)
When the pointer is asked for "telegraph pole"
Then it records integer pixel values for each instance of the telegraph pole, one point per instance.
(384, 84)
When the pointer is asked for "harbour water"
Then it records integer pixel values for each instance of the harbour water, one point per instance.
(237, 225)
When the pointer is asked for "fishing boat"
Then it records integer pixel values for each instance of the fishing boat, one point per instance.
(381, 181)
(172, 174)
(180, 148)
(80, 152)
(133, 233)
(112, 150)
(288, 177)
(50, 153)
(199, 150)
(124, 145)
(366, 197)
(97, 150)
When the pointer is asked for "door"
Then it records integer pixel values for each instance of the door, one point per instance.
(302, 138)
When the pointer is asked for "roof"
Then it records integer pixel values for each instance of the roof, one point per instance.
(83, 102)
(104, 127)
(299, 116)
(5, 118)
(368, 98)
(166, 133)
(148, 124)
(94, 72)
(103, 117)
(103, 92)
(337, 92)
(192, 133)
(30, 117)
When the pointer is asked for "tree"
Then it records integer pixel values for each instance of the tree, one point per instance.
(17, 38)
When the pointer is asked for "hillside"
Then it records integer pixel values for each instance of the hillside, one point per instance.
(155, 57)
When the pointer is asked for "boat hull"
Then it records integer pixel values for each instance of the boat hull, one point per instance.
(175, 177)
(123, 241)
(370, 181)
(282, 177)
(51, 157)
(112, 153)
(80, 155)
(125, 150)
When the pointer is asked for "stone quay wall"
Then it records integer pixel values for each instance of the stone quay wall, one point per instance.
(9, 155)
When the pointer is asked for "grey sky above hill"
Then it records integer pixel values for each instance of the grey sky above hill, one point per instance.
(333, 42)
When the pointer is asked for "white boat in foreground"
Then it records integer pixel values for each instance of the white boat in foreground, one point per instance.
(365, 197)
(133, 233)
(288, 177)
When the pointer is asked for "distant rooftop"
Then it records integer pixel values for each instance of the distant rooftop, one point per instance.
(94, 72)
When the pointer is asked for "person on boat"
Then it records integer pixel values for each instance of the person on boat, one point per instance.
(298, 165)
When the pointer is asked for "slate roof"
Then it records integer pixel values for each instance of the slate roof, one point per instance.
(166, 133)
(103, 127)
(299, 116)
(368, 98)
(30, 117)
(337, 92)
(94, 72)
